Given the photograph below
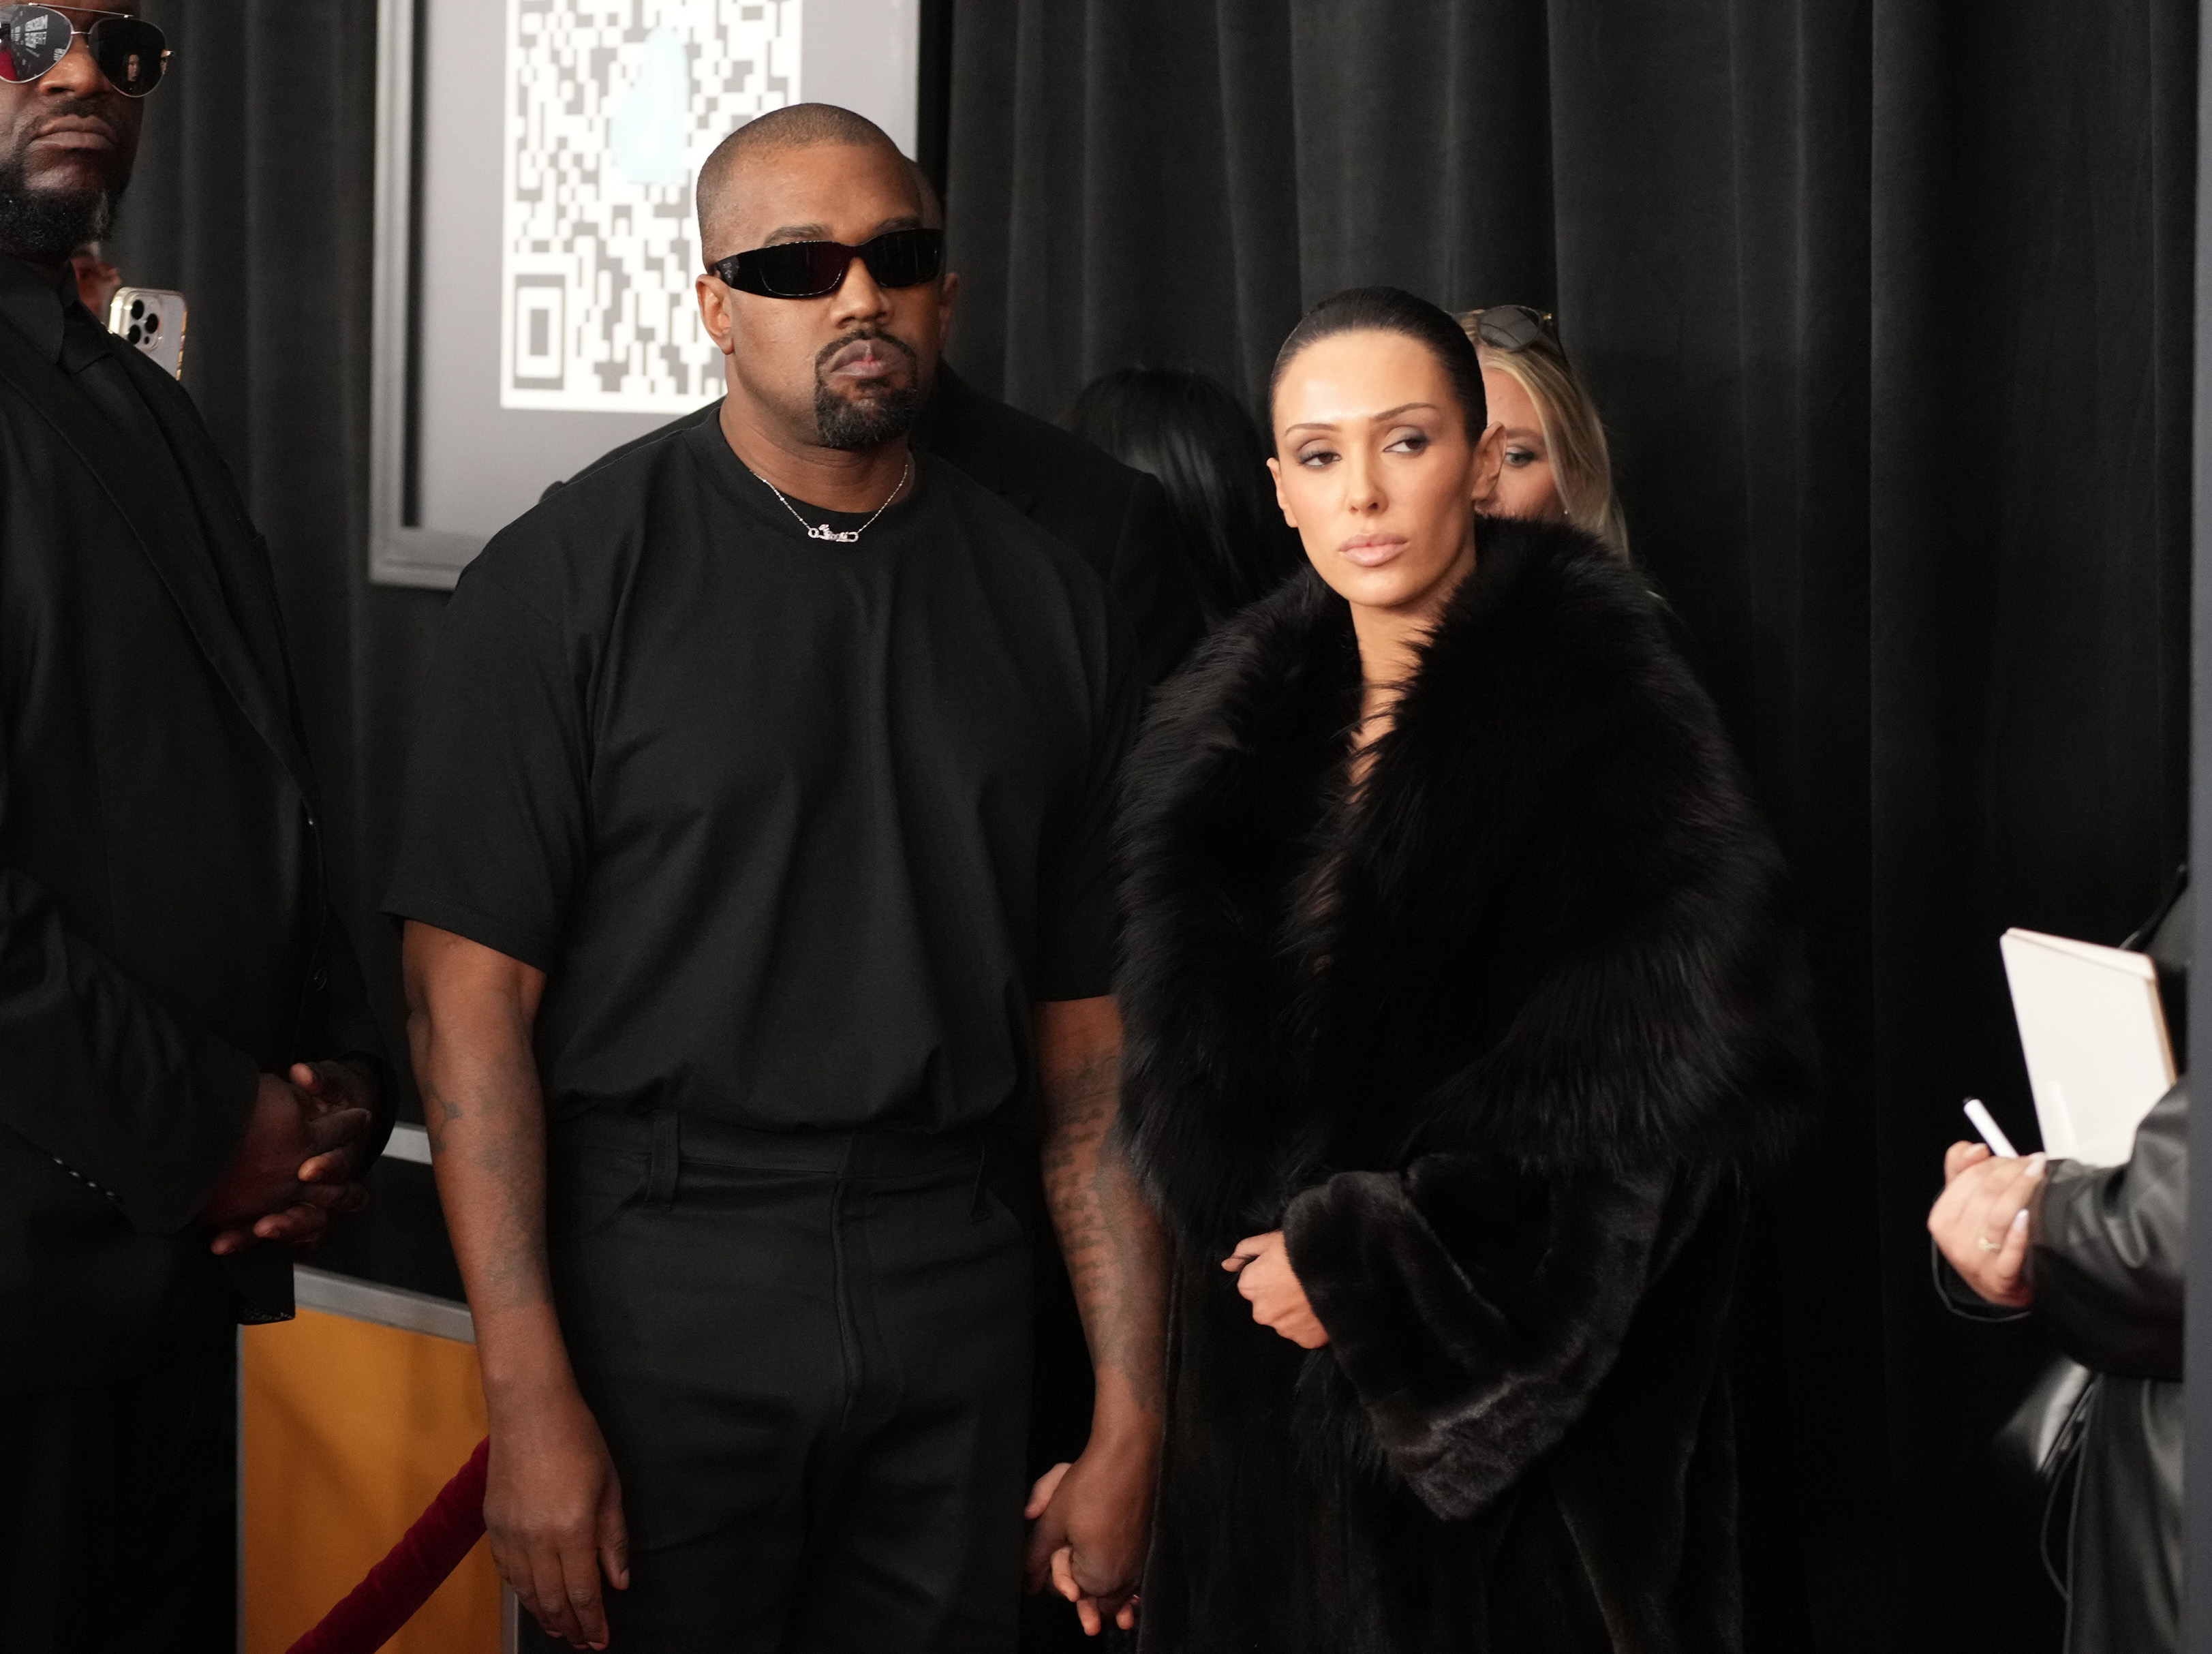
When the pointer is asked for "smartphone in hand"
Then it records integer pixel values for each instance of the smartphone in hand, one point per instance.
(153, 319)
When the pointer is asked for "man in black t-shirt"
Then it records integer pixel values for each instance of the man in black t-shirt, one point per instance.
(754, 862)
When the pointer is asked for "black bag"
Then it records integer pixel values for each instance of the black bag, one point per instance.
(2037, 1443)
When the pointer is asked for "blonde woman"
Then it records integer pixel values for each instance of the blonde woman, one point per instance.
(1557, 468)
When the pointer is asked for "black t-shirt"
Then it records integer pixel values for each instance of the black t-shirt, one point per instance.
(798, 830)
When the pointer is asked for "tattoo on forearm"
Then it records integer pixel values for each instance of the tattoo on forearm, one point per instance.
(1108, 1233)
(481, 1105)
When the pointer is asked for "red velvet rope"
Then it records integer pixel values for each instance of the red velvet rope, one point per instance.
(395, 1587)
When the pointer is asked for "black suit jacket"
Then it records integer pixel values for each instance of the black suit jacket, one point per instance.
(1116, 519)
(165, 936)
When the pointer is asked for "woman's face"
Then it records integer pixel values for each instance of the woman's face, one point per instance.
(1527, 485)
(1374, 468)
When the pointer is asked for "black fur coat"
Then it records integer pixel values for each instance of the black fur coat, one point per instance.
(1495, 1044)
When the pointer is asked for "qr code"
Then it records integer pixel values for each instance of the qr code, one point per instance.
(611, 105)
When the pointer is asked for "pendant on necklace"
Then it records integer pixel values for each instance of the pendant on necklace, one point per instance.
(823, 532)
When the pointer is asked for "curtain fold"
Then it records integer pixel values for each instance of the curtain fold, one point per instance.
(1886, 303)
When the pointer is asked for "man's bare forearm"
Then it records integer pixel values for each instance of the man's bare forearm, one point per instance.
(470, 1018)
(1116, 1257)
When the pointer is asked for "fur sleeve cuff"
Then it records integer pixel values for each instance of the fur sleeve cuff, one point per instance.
(1474, 1314)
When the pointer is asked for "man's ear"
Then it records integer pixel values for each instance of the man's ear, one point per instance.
(1489, 462)
(714, 312)
(1282, 501)
(948, 296)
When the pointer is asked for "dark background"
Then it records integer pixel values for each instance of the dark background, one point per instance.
(1887, 306)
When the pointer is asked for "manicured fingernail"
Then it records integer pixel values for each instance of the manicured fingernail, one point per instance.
(2020, 1218)
(2035, 1165)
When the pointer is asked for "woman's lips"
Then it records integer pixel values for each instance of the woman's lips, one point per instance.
(1371, 551)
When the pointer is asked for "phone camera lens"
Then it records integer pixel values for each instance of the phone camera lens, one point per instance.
(137, 309)
(133, 334)
(153, 325)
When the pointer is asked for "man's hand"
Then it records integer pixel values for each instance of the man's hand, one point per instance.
(1981, 1220)
(296, 1163)
(1261, 1264)
(1091, 1522)
(553, 1506)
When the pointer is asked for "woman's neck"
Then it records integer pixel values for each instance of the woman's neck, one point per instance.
(1390, 642)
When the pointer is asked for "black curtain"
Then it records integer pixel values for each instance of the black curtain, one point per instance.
(1887, 306)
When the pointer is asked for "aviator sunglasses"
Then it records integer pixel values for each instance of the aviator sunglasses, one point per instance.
(130, 51)
(1515, 327)
(812, 270)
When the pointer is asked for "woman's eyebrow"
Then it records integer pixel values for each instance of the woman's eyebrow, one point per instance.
(1387, 413)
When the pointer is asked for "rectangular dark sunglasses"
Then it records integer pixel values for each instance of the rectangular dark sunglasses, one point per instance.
(811, 270)
(130, 51)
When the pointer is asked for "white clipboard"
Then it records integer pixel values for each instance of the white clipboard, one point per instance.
(2099, 1057)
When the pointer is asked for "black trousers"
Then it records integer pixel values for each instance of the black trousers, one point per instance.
(119, 1512)
(809, 1356)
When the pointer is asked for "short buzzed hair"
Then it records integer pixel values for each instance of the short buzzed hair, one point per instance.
(795, 126)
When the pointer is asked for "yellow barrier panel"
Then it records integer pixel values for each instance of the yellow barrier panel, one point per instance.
(350, 1428)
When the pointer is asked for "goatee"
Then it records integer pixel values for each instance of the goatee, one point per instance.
(851, 423)
(45, 226)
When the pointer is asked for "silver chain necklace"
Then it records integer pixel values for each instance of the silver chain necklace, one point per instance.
(845, 536)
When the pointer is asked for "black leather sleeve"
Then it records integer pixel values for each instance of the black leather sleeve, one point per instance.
(1475, 1313)
(2110, 1242)
(127, 1096)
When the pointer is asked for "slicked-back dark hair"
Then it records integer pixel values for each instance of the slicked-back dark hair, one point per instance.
(1392, 310)
(1212, 461)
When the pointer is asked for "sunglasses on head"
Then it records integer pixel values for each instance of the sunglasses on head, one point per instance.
(812, 270)
(1515, 327)
(130, 51)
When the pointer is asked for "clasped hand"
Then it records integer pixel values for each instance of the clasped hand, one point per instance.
(300, 1161)
(1261, 1264)
(1980, 1222)
(1090, 1521)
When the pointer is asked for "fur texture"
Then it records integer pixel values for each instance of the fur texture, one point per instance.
(1494, 1043)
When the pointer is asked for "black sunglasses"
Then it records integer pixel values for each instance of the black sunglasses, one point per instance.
(130, 51)
(1515, 327)
(811, 270)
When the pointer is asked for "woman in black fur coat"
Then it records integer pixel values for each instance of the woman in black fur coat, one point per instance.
(1462, 996)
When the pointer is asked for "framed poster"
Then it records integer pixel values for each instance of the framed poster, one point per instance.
(536, 243)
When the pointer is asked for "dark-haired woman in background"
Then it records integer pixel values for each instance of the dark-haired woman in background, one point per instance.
(1461, 995)
(1212, 461)
(1556, 464)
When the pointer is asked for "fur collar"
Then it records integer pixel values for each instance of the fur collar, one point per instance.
(1551, 930)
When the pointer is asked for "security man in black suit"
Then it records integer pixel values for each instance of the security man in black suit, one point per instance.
(190, 1082)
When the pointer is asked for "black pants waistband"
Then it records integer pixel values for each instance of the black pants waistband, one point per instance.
(670, 1139)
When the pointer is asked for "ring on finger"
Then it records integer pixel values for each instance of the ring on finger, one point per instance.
(1987, 1244)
